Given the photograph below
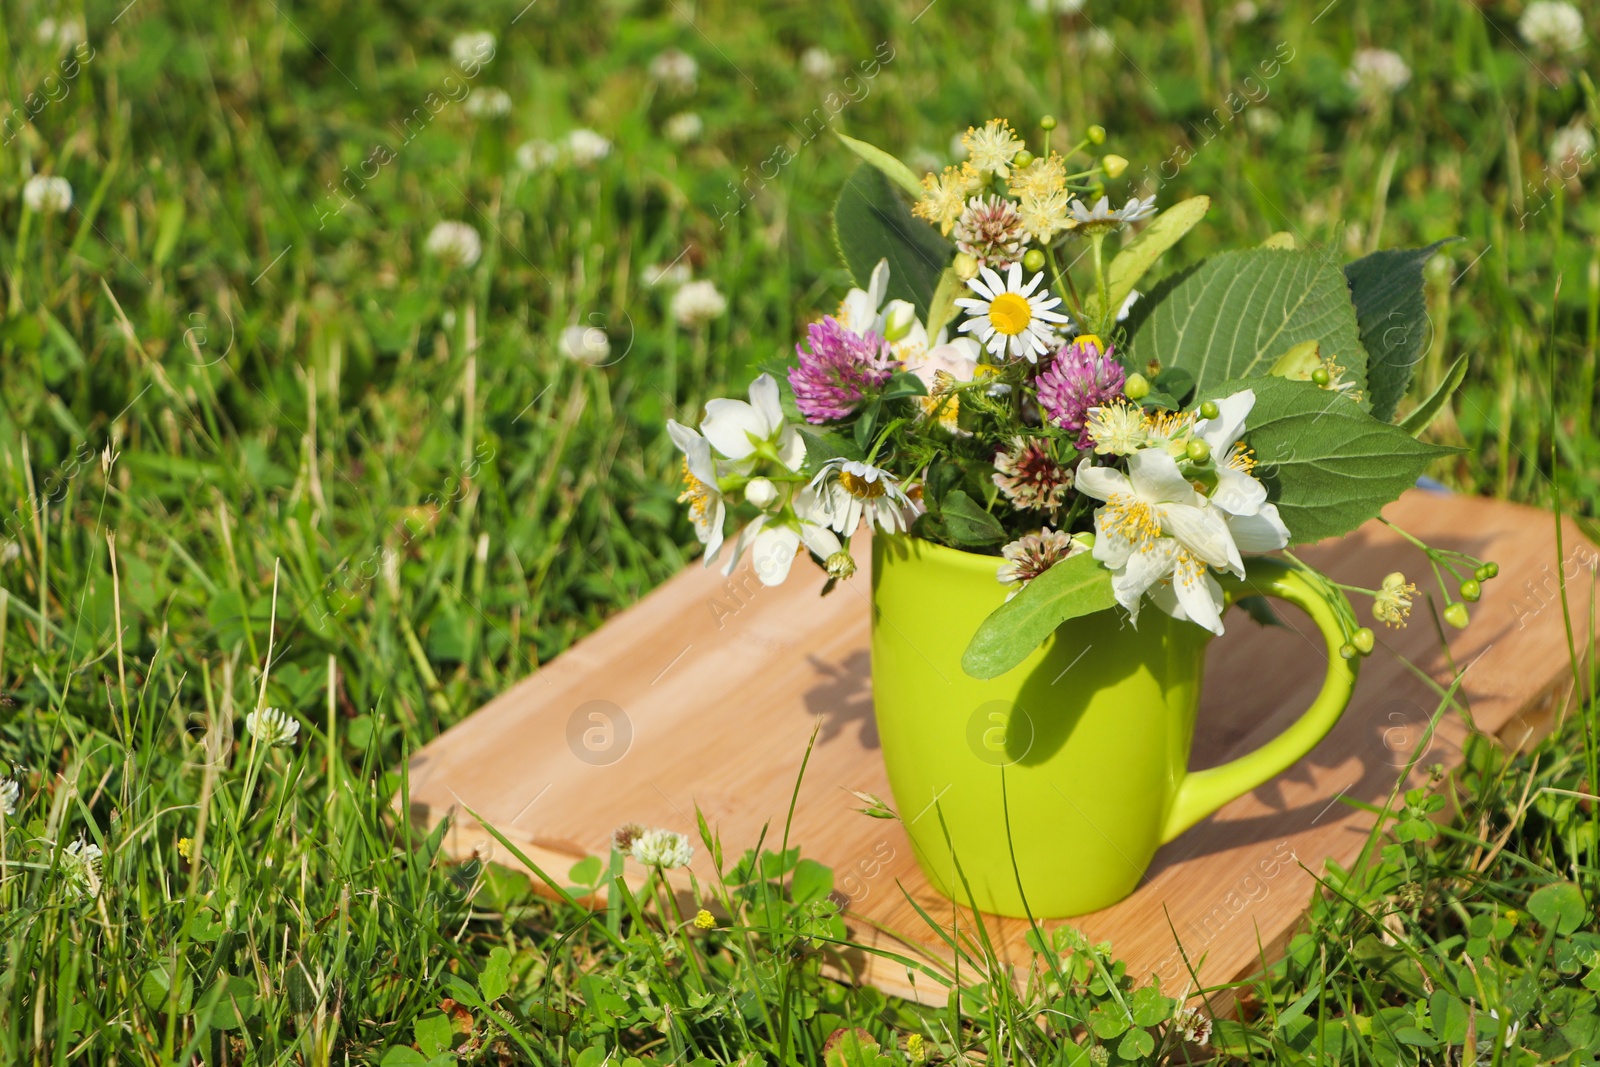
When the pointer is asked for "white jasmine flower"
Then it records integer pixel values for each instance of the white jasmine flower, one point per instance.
(47, 195)
(270, 726)
(698, 302)
(701, 489)
(738, 430)
(1253, 523)
(473, 49)
(1377, 72)
(1009, 318)
(1101, 218)
(587, 147)
(488, 103)
(1155, 532)
(940, 369)
(662, 848)
(849, 490)
(586, 344)
(1554, 27)
(80, 866)
(536, 154)
(670, 274)
(774, 540)
(863, 311)
(683, 127)
(10, 793)
(991, 149)
(675, 69)
(456, 243)
(1572, 148)
(816, 62)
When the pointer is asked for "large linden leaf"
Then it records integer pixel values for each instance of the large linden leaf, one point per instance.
(1386, 288)
(1235, 314)
(871, 222)
(1327, 464)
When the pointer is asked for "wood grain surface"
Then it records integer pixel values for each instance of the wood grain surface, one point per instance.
(708, 689)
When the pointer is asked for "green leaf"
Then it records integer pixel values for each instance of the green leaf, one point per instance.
(586, 872)
(904, 384)
(891, 167)
(1559, 907)
(811, 881)
(1136, 1045)
(1141, 253)
(1386, 289)
(435, 1033)
(942, 308)
(1077, 586)
(1235, 314)
(403, 1056)
(232, 1001)
(1149, 1007)
(872, 223)
(1328, 465)
(1424, 414)
(495, 977)
(967, 523)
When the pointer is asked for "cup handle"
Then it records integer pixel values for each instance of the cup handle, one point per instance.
(1203, 792)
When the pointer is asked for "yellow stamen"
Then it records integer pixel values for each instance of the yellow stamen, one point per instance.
(1241, 459)
(695, 493)
(1010, 313)
(1132, 519)
(860, 488)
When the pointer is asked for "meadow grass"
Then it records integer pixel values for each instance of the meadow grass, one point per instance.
(245, 420)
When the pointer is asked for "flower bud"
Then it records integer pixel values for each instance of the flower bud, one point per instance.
(1113, 165)
(760, 492)
(1456, 615)
(898, 322)
(1048, 122)
(1364, 640)
(1096, 134)
(1348, 651)
(1209, 409)
(965, 266)
(1033, 260)
(1487, 571)
(1198, 451)
(1022, 159)
(1137, 387)
(1320, 377)
(841, 564)
(1471, 590)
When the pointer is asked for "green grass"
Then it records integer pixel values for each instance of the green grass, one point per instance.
(311, 423)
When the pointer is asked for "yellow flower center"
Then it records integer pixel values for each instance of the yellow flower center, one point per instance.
(1089, 339)
(859, 487)
(1132, 519)
(1010, 313)
(1241, 459)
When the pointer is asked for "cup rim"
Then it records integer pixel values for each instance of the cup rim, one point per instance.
(975, 562)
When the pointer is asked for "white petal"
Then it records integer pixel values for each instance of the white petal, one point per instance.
(1201, 600)
(992, 279)
(1221, 432)
(1238, 493)
(791, 448)
(774, 552)
(1262, 532)
(1033, 283)
(729, 424)
(1204, 532)
(719, 517)
(1102, 483)
(1156, 478)
(819, 539)
(681, 435)
(1110, 548)
(742, 542)
(764, 398)
(877, 286)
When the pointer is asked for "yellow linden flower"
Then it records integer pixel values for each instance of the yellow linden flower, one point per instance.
(992, 148)
(1044, 215)
(1040, 178)
(944, 196)
(704, 920)
(1392, 604)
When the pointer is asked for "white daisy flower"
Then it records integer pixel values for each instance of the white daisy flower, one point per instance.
(456, 243)
(488, 103)
(80, 866)
(1102, 218)
(816, 62)
(774, 540)
(586, 344)
(683, 127)
(537, 154)
(1552, 26)
(1011, 319)
(697, 303)
(849, 490)
(270, 726)
(662, 848)
(469, 50)
(702, 492)
(675, 69)
(47, 195)
(586, 147)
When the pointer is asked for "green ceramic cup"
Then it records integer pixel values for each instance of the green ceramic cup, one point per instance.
(1046, 791)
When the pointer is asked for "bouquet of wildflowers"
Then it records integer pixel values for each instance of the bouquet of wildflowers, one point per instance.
(997, 384)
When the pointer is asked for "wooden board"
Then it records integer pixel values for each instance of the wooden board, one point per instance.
(705, 693)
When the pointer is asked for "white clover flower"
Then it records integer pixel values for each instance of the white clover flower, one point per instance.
(1263, 121)
(683, 127)
(488, 103)
(586, 147)
(1244, 12)
(80, 866)
(270, 726)
(669, 274)
(816, 63)
(1377, 72)
(10, 793)
(1098, 41)
(472, 49)
(1572, 148)
(675, 69)
(662, 848)
(47, 195)
(586, 344)
(456, 243)
(698, 302)
(537, 154)
(1554, 27)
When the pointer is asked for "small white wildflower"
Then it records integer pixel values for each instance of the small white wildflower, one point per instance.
(587, 147)
(10, 551)
(1098, 41)
(586, 344)
(488, 103)
(698, 302)
(1263, 121)
(675, 69)
(473, 49)
(80, 866)
(662, 848)
(270, 726)
(47, 195)
(816, 63)
(1195, 1025)
(1572, 148)
(10, 793)
(683, 127)
(65, 34)
(1056, 7)
(1244, 12)
(537, 154)
(456, 243)
(671, 274)
(1554, 27)
(1377, 72)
